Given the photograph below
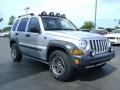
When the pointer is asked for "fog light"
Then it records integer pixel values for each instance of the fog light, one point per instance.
(63, 16)
(111, 49)
(58, 14)
(76, 61)
(51, 13)
(43, 13)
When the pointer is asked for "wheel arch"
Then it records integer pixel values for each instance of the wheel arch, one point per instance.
(60, 45)
(54, 47)
(13, 41)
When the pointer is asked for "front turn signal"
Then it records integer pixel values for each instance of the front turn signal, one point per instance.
(77, 52)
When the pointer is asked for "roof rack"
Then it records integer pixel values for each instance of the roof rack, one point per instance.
(31, 14)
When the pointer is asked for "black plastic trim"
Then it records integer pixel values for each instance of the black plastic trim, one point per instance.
(37, 59)
(31, 47)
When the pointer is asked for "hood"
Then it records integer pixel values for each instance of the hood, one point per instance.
(113, 35)
(74, 34)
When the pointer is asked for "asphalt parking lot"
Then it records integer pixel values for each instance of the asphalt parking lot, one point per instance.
(33, 75)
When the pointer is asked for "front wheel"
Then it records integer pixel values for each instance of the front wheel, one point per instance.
(15, 53)
(60, 66)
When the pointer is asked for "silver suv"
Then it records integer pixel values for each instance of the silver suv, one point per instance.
(54, 40)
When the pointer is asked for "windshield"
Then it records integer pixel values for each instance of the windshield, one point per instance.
(57, 23)
(94, 31)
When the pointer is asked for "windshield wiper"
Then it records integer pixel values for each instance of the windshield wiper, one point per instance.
(70, 29)
(61, 29)
(54, 29)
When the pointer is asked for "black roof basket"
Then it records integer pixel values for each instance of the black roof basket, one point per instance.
(31, 14)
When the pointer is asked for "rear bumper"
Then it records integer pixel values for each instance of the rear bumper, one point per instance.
(85, 61)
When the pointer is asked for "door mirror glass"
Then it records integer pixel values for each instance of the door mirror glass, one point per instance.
(34, 30)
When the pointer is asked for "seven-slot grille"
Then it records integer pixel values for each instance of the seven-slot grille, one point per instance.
(99, 46)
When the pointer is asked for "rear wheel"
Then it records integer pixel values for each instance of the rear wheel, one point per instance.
(60, 66)
(15, 53)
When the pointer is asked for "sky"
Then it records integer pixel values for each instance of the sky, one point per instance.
(78, 11)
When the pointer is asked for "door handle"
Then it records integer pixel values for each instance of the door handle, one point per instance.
(16, 34)
(27, 35)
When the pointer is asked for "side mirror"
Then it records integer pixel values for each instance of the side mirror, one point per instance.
(34, 30)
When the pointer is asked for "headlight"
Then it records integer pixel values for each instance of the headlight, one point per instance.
(83, 44)
(92, 53)
(111, 49)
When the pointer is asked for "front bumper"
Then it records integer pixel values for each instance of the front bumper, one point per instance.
(85, 61)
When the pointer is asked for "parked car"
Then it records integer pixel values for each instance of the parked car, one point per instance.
(54, 40)
(4, 34)
(109, 29)
(114, 37)
(99, 31)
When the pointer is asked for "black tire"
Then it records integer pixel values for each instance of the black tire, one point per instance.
(16, 53)
(5, 35)
(59, 60)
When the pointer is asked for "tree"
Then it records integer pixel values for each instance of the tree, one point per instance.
(100, 27)
(117, 27)
(88, 25)
(11, 20)
(6, 29)
(1, 19)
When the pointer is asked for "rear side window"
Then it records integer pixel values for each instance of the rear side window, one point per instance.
(15, 25)
(22, 24)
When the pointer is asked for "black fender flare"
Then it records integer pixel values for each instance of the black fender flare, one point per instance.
(15, 40)
(67, 46)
